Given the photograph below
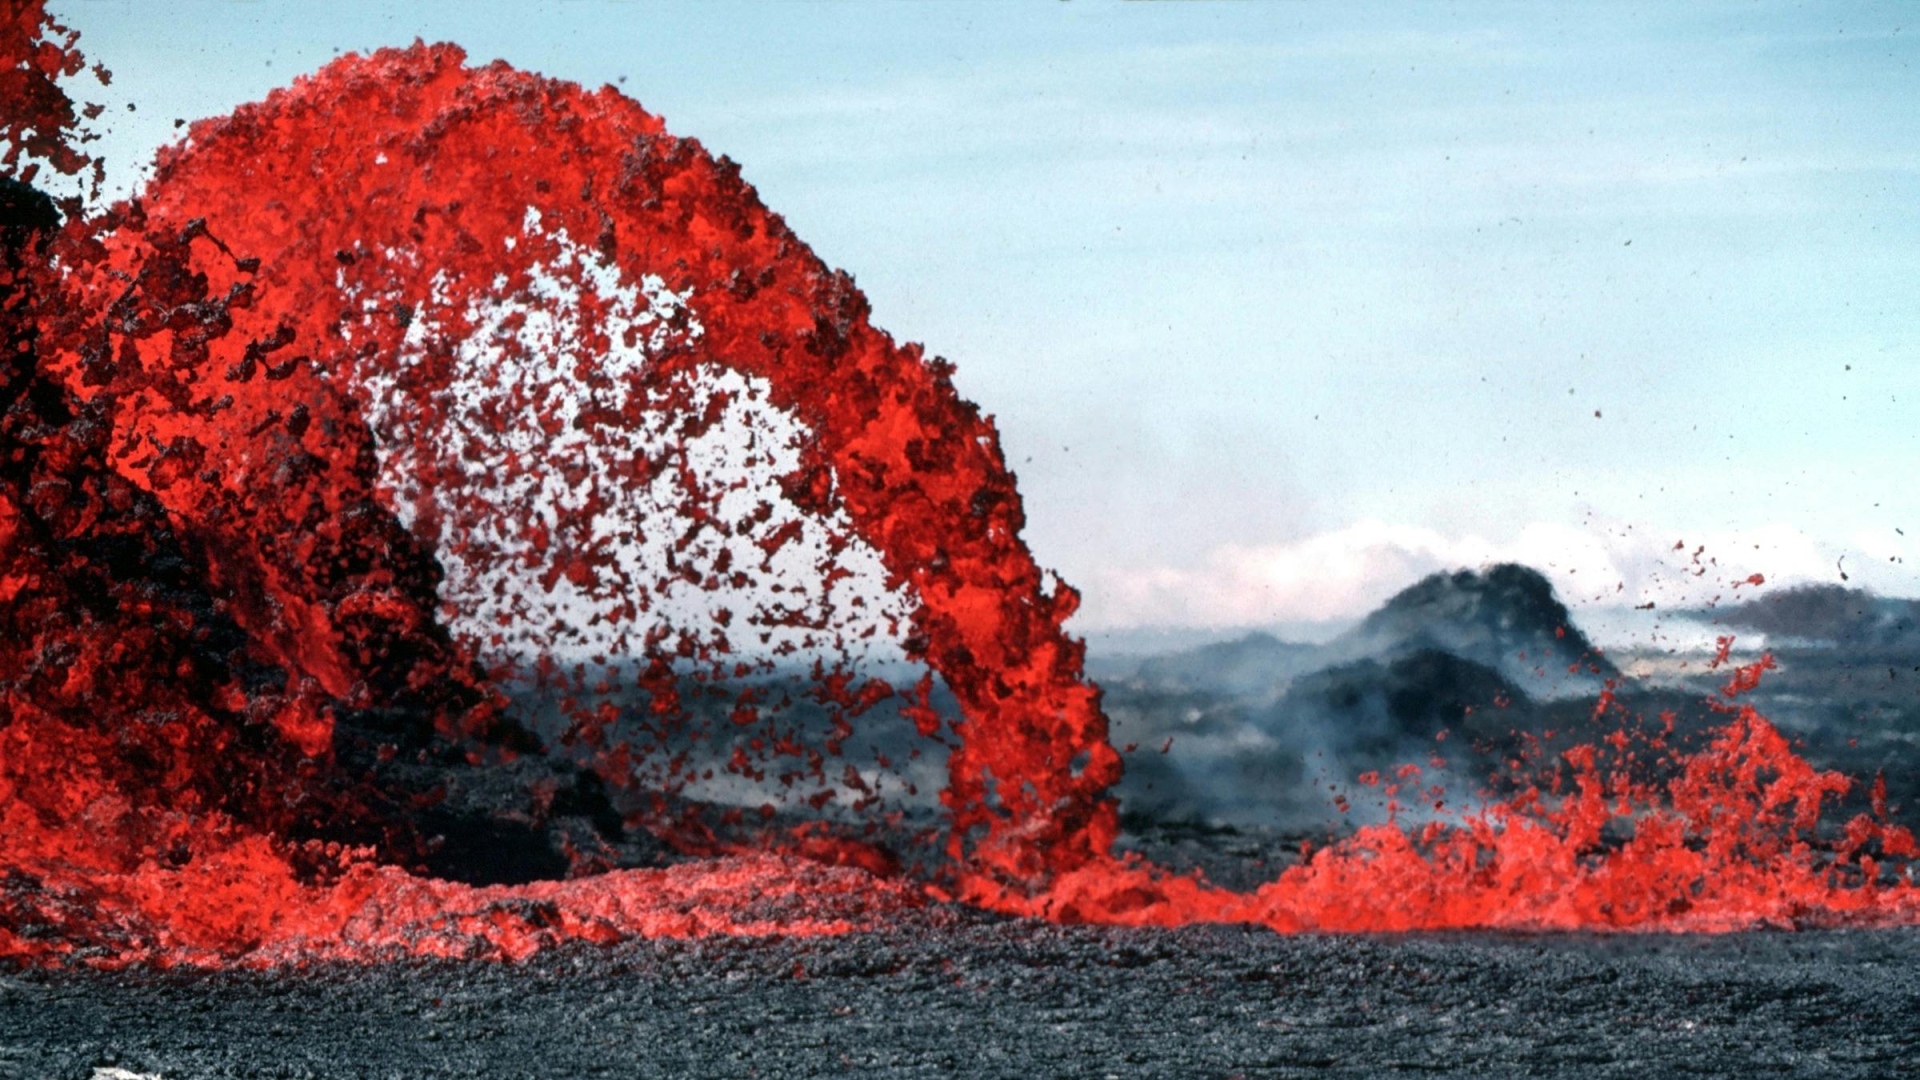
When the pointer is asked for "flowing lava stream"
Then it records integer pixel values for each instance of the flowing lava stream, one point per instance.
(417, 383)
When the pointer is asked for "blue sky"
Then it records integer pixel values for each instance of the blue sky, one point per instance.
(1281, 305)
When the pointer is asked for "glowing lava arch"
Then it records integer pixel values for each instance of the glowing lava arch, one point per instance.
(402, 204)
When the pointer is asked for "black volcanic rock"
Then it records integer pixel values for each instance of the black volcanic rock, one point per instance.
(1375, 707)
(1482, 654)
(1831, 614)
(906, 1001)
(1505, 618)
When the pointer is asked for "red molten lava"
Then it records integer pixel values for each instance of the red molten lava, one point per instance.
(419, 386)
(391, 196)
(1727, 841)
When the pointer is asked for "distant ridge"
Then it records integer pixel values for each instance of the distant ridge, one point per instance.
(1246, 667)
(1830, 614)
(1504, 619)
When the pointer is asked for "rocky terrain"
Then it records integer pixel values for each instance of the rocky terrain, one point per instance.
(1467, 666)
(964, 995)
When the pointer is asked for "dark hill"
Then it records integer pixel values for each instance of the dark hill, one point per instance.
(1831, 614)
(1505, 618)
(1374, 707)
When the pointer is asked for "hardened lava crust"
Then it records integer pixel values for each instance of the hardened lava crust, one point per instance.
(958, 993)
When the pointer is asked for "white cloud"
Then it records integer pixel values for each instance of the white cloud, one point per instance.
(1345, 573)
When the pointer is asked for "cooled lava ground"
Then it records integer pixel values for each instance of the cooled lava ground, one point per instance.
(951, 992)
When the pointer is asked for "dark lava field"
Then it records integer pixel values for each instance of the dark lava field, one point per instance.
(959, 994)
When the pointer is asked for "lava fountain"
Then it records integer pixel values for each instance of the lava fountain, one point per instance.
(419, 391)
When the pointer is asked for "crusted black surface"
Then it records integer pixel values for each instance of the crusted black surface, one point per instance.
(957, 994)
